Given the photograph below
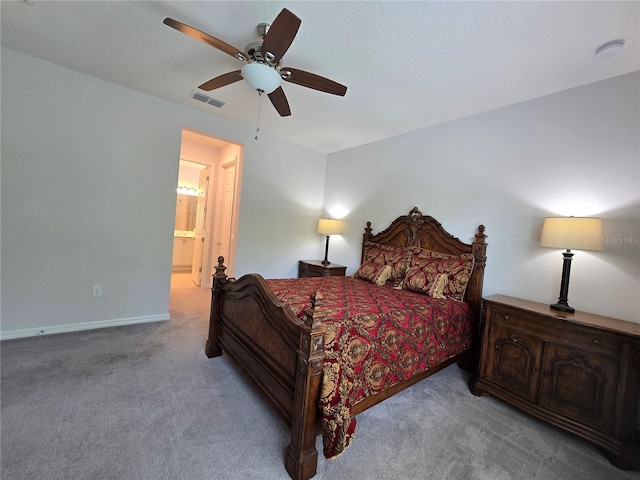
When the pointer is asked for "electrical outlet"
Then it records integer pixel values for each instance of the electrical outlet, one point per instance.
(97, 290)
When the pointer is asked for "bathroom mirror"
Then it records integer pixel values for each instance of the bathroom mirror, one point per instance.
(186, 207)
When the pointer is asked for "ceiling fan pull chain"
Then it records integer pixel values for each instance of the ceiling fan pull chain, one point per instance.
(259, 104)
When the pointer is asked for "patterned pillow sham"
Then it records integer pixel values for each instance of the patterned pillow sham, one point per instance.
(374, 273)
(423, 281)
(457, 268)
(386, 255)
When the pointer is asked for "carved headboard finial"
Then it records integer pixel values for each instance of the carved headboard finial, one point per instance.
(415, 220)
(415, 211)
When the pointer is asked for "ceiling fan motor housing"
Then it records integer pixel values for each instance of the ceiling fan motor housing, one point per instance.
(253, 48)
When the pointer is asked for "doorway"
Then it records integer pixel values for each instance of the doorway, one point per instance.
(210, 171)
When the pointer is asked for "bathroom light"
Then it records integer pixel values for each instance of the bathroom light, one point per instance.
(187, 190)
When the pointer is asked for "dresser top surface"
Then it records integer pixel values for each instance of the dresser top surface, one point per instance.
(590, 319)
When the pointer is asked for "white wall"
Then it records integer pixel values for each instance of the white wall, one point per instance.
(572, 153)
(89, 171)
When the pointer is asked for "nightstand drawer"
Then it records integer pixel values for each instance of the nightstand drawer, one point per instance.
(315, 268)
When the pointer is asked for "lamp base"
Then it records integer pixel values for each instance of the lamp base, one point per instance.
(563, 299)
(562, 307)
(326, 261)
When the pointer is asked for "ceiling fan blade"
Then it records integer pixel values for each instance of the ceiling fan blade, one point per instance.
(280, 35)
(221, 81)
(311, 80)
(206, 38)
(279, 101)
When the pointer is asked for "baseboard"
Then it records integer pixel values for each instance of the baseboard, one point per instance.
(75, 327)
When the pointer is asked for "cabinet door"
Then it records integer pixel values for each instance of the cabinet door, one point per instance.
(177, 251)
(188, 251)
(514, 361)
(579, 385)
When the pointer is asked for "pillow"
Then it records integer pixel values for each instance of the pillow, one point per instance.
(386, 255)
(457, 268)
(374, 273)
(421, 281)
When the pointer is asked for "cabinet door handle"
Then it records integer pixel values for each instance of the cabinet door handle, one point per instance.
(596, 341)
(506, 317)
(534, 369)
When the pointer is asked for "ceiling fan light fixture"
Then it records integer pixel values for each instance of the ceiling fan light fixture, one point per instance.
(261, 77)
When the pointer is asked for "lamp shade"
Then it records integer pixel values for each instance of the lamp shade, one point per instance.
(328, 226)
(261, 77)
(577, 233)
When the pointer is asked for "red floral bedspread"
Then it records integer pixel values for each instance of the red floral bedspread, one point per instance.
(376, 337)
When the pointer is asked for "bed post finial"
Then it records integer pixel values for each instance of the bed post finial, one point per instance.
(314, 318)
(367, 232)
(366, 237)
(480, 236)
(220, 268)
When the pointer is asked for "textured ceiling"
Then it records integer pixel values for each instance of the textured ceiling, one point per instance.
(407, 65)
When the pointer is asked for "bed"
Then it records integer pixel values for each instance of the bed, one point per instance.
(322, 350)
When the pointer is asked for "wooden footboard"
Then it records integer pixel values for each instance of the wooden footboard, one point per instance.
(280, 353)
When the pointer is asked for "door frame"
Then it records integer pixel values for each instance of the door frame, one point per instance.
(227, 150)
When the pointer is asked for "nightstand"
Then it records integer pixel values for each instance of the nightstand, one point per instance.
(577, 371)
(315, 268)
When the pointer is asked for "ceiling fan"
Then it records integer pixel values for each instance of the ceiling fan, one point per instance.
(262, 69)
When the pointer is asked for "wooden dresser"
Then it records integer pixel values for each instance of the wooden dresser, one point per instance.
(315, 268)
(578, 371)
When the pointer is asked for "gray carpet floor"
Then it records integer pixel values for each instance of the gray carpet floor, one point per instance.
(143, 402)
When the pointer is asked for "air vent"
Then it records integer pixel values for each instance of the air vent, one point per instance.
(201, 97)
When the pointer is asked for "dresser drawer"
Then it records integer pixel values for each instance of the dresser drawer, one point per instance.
(596, 342)
(565, 333)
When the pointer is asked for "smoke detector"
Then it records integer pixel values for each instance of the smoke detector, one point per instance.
(610, 49)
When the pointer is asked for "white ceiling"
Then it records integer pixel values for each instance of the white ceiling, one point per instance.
(407, 65)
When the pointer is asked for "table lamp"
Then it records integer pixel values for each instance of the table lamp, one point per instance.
(328, 227)
(577, 233)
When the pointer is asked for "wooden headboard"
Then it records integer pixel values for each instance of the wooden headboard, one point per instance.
(417, 230)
